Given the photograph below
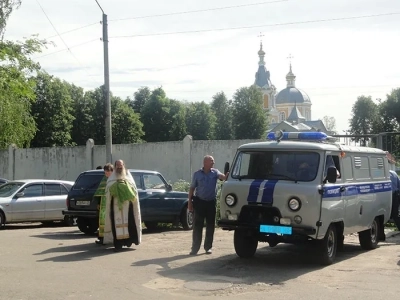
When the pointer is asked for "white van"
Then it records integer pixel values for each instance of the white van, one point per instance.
(300, 187)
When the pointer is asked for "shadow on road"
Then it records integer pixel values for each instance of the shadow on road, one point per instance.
(80, 252)
(272, 266)
(65, 235)
(35, 225)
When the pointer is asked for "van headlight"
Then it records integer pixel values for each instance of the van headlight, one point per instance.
(294, 204)
(230, 200)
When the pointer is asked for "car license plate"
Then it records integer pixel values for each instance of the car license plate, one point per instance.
(82, 202)
(276, 229)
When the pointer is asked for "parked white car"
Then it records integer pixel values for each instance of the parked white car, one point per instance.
(33, 200)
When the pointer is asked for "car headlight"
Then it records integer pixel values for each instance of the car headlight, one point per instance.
(294, 204)
(230, 200)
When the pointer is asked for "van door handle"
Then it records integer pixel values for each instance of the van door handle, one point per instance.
(342, 188)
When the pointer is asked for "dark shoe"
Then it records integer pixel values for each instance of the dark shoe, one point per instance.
(209, 251)
(192, 253)
(99, 242)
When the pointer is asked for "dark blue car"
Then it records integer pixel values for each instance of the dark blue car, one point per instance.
(158, 202)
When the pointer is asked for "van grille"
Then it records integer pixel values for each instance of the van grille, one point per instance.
(256, 214)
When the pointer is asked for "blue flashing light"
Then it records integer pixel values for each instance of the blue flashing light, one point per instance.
(313, 136)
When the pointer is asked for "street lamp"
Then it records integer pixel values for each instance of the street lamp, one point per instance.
(106, 89)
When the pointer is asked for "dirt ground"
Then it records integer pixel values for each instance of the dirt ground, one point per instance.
(40, 262)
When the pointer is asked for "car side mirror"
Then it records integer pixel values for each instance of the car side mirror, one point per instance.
(168, 187)
(226, 167)
(331, 175)
(19, 195)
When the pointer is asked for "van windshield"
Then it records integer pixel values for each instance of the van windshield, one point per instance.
(282, 165)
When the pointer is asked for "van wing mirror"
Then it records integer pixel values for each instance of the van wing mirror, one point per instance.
(226, 167)
(331, 175)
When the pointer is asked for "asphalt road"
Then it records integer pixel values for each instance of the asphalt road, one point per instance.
(38, 262)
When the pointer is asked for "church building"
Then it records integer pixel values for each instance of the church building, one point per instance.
(290, 109)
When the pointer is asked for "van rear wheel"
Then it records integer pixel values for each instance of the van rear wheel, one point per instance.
(369, 238)
(245, 243)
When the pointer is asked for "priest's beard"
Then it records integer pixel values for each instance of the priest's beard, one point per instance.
(120, 173)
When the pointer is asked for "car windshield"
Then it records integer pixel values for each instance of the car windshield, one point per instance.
(8, 189)
(282, 165)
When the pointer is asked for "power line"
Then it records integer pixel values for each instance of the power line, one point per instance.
(257, 26)
(198, 11)
(72, 30)
(61, 50)
(65, 44)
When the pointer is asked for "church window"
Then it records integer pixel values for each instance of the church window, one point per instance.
(266, 101)
(282, 116)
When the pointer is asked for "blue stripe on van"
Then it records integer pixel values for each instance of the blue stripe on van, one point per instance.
(253, 190)
(355, 189)
(268, 193)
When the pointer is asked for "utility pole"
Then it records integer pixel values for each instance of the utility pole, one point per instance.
(106, 89)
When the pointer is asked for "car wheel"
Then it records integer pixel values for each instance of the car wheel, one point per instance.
(2, 220)
(187, 218)
(151, 225)
(369, 238)
(69, 221)
(245, 243)
(88, 226)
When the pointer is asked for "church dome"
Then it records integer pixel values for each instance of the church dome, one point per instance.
(292, 95)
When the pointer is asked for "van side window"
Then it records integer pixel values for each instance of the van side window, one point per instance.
(347, 168)
(361, 167)
(377, 167)
(332, 161)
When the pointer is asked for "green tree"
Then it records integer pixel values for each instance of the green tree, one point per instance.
(364, 116)
(155, 116)
(387, 122)
(200, 121)
(17, 91)
(83, 108)
(223, 112)
(177, 114)
(6, 8)
(52, 112)
(392, 105)
(126, 125)
(250, 120)
(95, 102)
(140, 97)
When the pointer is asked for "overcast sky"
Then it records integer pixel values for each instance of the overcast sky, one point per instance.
(334, 61)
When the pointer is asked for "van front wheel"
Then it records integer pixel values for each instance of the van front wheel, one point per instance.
(328, 246)
(369, 238)
(245, 243)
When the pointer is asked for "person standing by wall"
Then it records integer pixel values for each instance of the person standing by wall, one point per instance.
(394, 178)
(202, 201)
(101, 192)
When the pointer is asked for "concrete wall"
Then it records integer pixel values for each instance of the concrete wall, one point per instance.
(175, 160)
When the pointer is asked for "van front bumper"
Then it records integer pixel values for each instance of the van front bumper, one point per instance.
(233, 224)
